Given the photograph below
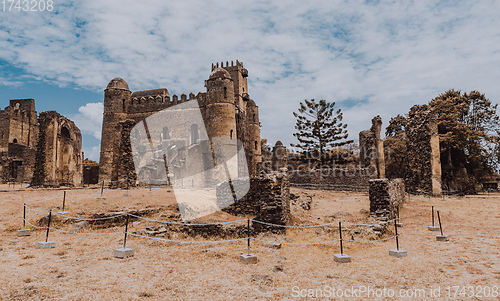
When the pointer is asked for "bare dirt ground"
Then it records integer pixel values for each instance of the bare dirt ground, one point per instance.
(82, 267)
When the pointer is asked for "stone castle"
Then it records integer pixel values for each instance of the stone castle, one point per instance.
(44, 150)
(226, 108)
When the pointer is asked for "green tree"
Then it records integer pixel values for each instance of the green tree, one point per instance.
(468, 127)
(319, 127)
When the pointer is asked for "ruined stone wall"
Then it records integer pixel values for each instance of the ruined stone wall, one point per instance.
(4, 130)
(423, 174)
(126, 169)
(268, 199)
(344, 178)
(22, 162)
(18, 124)
(371, 148)
(90, 174)
(59, 152)
(386, 196)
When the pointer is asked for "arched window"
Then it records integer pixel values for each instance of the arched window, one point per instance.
(166, 133)
(231, 134)
(254, 117)
(15, 140)
(123, 104)
(255, 145)
(194, 133)
(225, 92)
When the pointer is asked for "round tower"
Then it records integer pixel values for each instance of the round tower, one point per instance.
(221, 119)
(255, 155)
(117, 99)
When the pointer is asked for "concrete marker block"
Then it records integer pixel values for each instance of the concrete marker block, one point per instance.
(248, 258)
(398, 253)
(46, 244)
(399, 225)
(63, 212)
(127, 194)
(342, 258)
(101, 198)
(442, 238)
(433, 228)
(123, 252)
(23, 232)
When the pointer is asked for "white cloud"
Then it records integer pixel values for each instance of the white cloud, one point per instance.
(386, 56)
(89, 120)
(92, 153)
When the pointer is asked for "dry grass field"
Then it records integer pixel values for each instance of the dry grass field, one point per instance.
(82, 267)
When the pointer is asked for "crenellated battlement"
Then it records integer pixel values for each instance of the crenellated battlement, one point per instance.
(237, 65)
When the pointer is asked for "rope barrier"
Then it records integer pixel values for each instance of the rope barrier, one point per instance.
(213, 241)
(188, 241)
(187, 224)
(72, 232)
(45, 199)
(295, 243)
(91, 219)
(298, 227)
(367, 241)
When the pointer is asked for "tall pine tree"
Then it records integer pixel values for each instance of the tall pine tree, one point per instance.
(319, 126)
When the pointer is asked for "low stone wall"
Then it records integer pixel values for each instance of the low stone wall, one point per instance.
(334, 179)
(268, 199)
(386, 196)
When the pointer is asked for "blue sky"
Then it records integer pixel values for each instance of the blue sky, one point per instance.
(371, 57)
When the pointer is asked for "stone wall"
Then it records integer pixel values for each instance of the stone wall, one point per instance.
(18, 124)
(386, 196)
(371, 149)
(268, 200)
(423, 173)
(19, 164)
(90, 174)
(58, 159)
(126, 169)
(345, 178)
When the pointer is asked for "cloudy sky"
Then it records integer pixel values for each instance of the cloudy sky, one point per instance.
(370, 57)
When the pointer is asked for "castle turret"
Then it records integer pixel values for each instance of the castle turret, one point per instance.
(117, 99)
(254, 149)
(239, 76)
(221, 127)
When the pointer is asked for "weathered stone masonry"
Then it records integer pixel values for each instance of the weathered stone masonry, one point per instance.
(41, 150)
(59, 158)
(423, 165)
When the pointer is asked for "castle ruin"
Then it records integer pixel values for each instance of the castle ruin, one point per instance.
(227, 111)
(44, 150)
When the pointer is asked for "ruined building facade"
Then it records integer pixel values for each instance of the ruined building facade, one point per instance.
(43, 150)
(226, 108)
